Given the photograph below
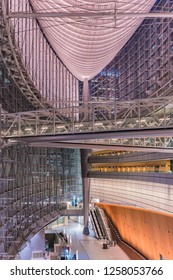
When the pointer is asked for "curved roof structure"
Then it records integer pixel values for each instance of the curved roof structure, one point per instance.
(92, 34)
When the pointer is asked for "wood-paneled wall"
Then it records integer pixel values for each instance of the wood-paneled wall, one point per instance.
(150, 232)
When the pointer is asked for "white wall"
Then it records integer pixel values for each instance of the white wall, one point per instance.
(150, 195)
(37, 243)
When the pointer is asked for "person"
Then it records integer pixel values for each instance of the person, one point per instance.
(46, 245)
(68, 248)
(76, 202)
(44, 255)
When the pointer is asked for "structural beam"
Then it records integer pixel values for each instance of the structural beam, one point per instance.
(89, 14)
(102, 147)
(97, 118)
(123, 134)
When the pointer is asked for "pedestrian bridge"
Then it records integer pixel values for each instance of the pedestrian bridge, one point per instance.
(90, 117)
(132, 122)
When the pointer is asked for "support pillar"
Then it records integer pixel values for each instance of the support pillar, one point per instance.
(86, 187)
(0, 126)
(85, 167)
(1, 140)
(85, 93)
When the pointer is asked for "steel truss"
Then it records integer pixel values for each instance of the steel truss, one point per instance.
(33, 181)
(45, 78)
(12, 59)
(42, 80)
(11, 98)
(136, 115)
(33, 186)
(164, 142)
(144, 65)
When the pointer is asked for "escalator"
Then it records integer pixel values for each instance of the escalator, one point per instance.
(103, 227)
(96, 225)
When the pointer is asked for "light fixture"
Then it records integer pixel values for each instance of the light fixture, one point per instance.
(60, 126)
(28, 128)
(98, 124)
(79, 125)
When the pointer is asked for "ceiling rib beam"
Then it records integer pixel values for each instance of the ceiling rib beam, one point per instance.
(89, 14)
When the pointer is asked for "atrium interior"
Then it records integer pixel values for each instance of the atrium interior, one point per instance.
(86, 130)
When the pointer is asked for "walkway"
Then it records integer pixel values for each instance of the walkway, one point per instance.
(89, 248)
(93, 116)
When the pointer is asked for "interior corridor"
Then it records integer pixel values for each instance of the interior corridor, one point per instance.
(90, 248)
(87, 247)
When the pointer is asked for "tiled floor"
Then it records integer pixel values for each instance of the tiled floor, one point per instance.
(88, 247)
